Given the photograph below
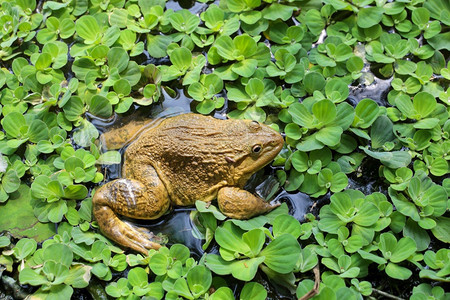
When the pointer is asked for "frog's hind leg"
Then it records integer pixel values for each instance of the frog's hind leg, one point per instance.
(130, 198)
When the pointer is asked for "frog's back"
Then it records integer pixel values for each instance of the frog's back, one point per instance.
(191, 154)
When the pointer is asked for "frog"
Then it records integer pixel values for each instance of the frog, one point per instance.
(177, 161)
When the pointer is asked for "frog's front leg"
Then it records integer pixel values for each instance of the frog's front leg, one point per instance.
(237, 203)
(130, 198)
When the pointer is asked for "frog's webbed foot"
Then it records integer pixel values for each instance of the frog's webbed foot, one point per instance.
(241, 204)
(130, 198)
(136, 238)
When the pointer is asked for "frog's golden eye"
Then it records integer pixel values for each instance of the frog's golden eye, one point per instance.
(257, 149)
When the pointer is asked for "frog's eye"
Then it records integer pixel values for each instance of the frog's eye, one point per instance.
(254, 126)
(256, 149)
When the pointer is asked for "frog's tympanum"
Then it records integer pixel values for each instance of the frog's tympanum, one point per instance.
(183, 159)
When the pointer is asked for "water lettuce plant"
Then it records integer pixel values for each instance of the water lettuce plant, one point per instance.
(359, 90)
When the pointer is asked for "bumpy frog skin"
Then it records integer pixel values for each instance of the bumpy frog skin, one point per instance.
(180, 160)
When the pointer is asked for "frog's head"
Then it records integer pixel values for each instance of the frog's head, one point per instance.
(261, 144)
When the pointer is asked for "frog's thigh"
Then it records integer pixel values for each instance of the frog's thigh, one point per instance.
(119, 137)
(237, 203)
(133, 199)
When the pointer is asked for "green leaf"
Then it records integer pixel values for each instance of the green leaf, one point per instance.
(159, 264)
(314, 21)
(245, 68)
(404, 249)
(404, 104)
(242, 269)
(38, 131)
(245, 270)
(324, 111)
(439, 167)
(10, 181)
(381, 132)
(397, 272)
(75, 192)
(420, 16)
(442, 229)
(88, 29)
(58, 253)
(157, 45)
(336, 90)
(255, 239)
(29, 276)
(293, 131)
(278, 11)
(24, 248)
(12, 123)
(225, 47)
(307, 285)
(313, 81)
(179, 252)
(137, 277)
(202, 207)
(181, 58)
(222, 293)
(300, 161)
(372, 257)
(118, 58)
(229, 237)
(424, 104)
(184, 21)
(286, 224)
(27, 5)
(4, 241)
(250, 17)
(394, 159)
(60, 291)
(67, 28)
(281, 254)
(79, 276)
(329, 136)
(118, 17)
(199, 280)
(253, 291)
(366, 112)
(122, 87)
(301, 115)
(369, 16)
(44, 60)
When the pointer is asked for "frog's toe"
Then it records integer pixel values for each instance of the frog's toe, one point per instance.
(158, 239)
(137, 238)
(274, 205)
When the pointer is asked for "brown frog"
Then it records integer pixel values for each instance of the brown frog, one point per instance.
(182, 159)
